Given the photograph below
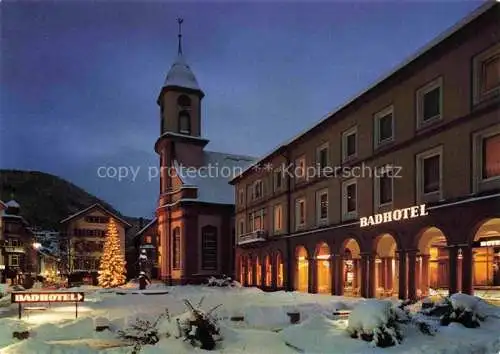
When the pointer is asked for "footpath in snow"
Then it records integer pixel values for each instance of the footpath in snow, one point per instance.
(251, 321)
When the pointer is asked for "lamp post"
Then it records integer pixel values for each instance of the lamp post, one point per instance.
(37, 246)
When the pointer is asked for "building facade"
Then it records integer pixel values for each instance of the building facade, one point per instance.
(196, 203)
(83, 237)
(394, 194)
(18, 253)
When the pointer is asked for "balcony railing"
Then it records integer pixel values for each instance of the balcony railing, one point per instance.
(14, 249)
(255, 236)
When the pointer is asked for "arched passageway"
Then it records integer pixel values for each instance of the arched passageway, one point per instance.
(301, 270)
(486, 255)
(432, 265)
(279, 270)
(249, 272)
(386, 266)
(323, 270)
(351, 273)
(258, 271)
(268, 271)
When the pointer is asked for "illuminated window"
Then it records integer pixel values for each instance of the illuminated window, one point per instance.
(486, 158)
(269, 271)
(279, 265)
(258, 271)
(147, 239)
(249, 271)
(278, 217)
(486, 75)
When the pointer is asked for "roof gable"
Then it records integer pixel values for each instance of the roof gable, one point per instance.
(90, 209)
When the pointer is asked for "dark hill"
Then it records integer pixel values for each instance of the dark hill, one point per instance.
(46, 199)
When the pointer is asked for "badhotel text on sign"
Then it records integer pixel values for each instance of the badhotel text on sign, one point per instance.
(395, 215)
(47, 297)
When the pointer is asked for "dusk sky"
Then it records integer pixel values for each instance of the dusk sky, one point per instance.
(79, 80)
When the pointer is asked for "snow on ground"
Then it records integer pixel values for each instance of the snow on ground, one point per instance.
(266, 327)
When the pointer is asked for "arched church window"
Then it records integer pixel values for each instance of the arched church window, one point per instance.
(209, 248)
(184, 101)
(176, 248)
(184, 123)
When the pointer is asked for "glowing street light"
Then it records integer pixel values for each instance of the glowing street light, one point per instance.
(37, 245)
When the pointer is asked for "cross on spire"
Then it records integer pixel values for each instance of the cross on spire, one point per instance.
(179, 48)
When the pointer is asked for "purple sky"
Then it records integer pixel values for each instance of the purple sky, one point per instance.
(79, 80)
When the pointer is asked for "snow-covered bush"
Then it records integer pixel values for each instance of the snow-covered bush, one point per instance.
(462, 308)
(375, 321)
(224, 281)
(143, 332)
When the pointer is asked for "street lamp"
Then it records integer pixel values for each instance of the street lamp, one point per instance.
(37, 245)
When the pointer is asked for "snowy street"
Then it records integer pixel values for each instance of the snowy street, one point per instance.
(251, 321)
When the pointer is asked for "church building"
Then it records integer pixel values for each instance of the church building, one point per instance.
(196, 203)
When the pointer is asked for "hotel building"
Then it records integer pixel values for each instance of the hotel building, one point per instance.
(416, 203)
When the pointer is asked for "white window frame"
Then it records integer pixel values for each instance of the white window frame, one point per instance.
(345, 135)
(376, 188)
(12, 257)
(280, 226)
(419, 99)
(319, 220)
(299, 201)
(352, 214)
(480, 184)
(324, 146)
(301, 160)
(477, 63)
(420, 158)
(377, 117)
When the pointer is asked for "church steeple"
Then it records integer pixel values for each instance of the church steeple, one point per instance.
(180, 97)
(180, 74)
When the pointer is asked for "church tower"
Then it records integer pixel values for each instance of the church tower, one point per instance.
(180, 98)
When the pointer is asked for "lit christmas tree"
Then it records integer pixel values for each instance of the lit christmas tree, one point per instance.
(112, 267)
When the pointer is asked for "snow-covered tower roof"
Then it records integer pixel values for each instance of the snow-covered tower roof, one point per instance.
(180, 74)
(12, 204)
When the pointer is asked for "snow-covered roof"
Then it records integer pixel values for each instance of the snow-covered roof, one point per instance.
(99, 206)
(212, 180)
(180, 75)
(146, 227)
(446, 34)
(12, 204)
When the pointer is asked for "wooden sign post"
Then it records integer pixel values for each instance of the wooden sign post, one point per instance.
(28, 297)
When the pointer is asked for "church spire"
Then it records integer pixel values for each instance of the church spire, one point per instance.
(179, 48)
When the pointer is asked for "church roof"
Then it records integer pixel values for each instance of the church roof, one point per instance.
(181, 75)
(212, 183)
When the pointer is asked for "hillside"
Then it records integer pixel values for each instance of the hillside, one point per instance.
(46, 199)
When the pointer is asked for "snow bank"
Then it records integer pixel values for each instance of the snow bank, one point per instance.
(475, 304)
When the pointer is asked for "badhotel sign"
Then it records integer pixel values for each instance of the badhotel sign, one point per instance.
(46, 297)
(395, 215)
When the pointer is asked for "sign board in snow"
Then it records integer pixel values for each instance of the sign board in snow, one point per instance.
(32, 297)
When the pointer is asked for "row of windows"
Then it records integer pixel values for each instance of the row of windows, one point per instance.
(486, 145)
(97, 219)
(13, 242)
(88, 246)
(86, 263)
(429, 110)
(89, 233)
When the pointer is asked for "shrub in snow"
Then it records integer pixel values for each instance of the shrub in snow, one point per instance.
(462, 308)
(375, 321)
(224, 281)
(142, 332)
